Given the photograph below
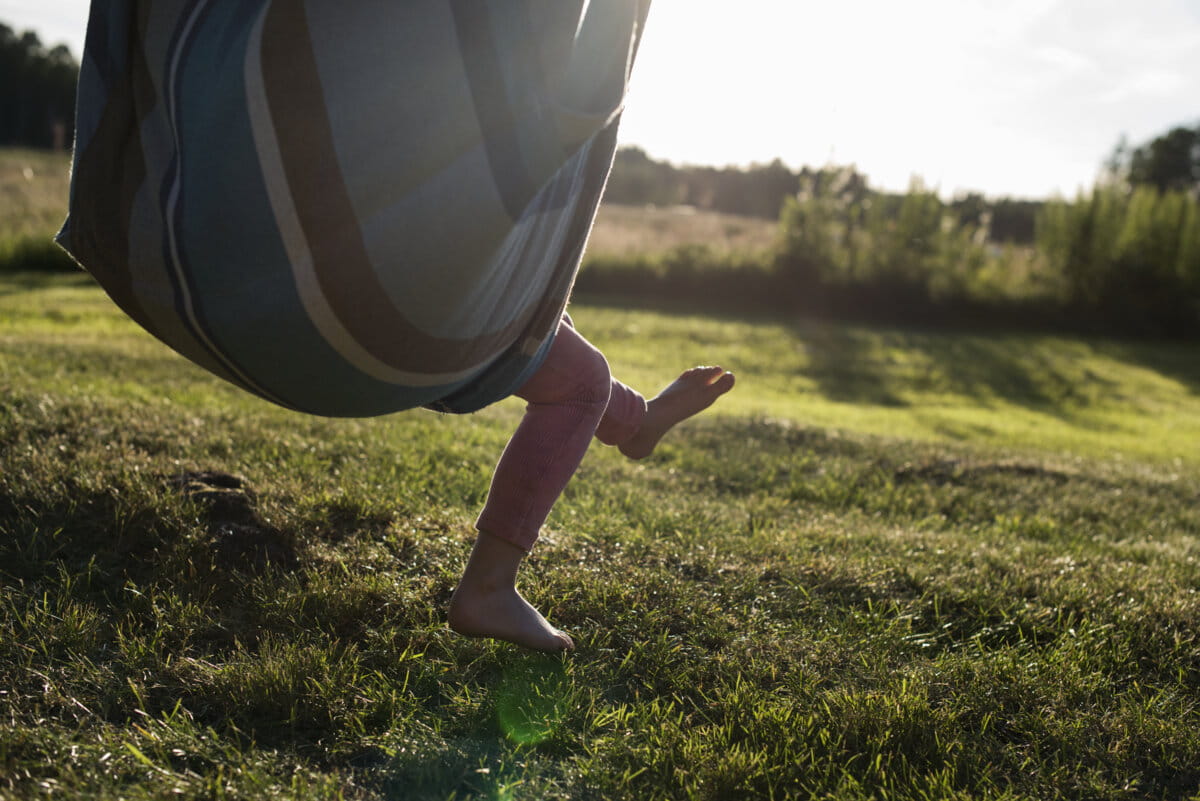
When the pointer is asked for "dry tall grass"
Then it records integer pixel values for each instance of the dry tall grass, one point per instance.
(651, 230)
(33, 203)
(33, 193)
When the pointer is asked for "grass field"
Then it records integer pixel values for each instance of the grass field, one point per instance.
(892, 565)
(648, 231)
(33, 193)
(33, 204)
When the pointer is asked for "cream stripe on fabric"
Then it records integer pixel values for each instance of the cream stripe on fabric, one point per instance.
(292, 234)
(342, 265)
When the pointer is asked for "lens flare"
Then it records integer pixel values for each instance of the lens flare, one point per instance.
(532, 701)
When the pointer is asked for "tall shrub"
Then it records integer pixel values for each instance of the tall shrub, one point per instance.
(883, 250)
(1128, 257)
(816, 233)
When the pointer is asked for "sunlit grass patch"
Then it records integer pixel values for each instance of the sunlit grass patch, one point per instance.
(1064, 397)
(889, 564)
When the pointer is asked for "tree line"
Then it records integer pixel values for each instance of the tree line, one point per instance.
(1170, 162)
(763, 190)
(1123, 257)
(37, 91)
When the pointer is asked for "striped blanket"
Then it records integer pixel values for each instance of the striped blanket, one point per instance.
(348, 208)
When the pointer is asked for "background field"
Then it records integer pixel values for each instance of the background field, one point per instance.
(33, 204)
(33, 191)
(648, 231)
(892, 563)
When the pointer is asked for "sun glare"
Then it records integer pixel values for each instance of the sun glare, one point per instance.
(1023, 99)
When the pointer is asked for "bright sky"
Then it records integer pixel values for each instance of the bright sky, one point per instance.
(1008, 97)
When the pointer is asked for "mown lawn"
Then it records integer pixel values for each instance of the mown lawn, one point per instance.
(893, 564)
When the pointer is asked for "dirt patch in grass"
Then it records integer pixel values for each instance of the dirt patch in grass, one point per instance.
(239, 536)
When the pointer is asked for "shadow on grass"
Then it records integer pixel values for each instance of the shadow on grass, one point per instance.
(34, 254)
(863, 365)
(1179, 362)
(16, 280)
(123, 539)
(842, 363)
(177, 591)
(897, 481)
(856, 362)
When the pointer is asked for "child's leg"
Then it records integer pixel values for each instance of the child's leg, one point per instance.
(567, 397)
(572, 397)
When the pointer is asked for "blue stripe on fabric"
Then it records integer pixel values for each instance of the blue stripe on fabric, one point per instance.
(173, 197)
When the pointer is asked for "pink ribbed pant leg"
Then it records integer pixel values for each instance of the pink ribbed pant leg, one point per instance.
(571, 398)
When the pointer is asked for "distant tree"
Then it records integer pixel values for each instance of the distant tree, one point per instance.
(762, 190)
(766, 188)
(37, 91)
(970, 209)
(638, 180)
(1131, 258)
(1170, 162)
(755, 191)
(1014, 221)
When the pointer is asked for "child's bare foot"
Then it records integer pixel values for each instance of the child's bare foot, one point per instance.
(501, 613)
(693, 392)
(487, 604)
